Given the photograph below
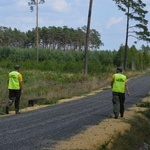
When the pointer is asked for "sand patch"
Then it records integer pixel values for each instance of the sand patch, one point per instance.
(78, 97)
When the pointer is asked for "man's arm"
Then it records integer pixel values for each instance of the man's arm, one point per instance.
(21, 87)
(112, 81)
(127, 89)
(20, 83)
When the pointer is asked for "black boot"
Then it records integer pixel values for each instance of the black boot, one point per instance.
(121, 115)
(7, 110)
(115, 115)
(18, 112)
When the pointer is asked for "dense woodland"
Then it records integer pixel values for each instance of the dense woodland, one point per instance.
(73, 61)
(55, 38)
(62, 50)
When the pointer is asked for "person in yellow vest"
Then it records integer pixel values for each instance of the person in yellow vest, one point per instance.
(119, 87)
(15, 89)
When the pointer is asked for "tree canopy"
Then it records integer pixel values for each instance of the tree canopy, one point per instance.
(62, 38)
(134, 10)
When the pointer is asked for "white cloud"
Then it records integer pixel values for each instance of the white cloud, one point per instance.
(114, 21)
(60, 5)
(21, 3)
(72, 13)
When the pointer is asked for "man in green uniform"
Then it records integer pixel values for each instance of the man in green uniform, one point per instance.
(119, 87)
(15, 89)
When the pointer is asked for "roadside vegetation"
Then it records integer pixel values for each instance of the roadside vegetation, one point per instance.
(59, 74)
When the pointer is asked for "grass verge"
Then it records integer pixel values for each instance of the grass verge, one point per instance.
(54, 86)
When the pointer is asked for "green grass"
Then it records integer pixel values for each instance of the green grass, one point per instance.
(143, 104)
(52, 86)
(49, 85)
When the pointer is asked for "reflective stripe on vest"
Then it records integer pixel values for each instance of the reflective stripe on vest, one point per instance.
(14, 80)
(119, 83)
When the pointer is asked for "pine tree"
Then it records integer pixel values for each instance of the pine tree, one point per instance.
(134, 10)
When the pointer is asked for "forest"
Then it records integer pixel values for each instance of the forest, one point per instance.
(62, 50)
(55, 38)
(73, 61)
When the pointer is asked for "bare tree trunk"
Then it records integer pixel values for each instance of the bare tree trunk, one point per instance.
(37, 33)
(87, 38)
(126, 43)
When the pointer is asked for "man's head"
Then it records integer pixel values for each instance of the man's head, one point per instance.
(16, 67)
(118, 69)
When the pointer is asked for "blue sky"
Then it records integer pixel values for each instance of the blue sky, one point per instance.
(106, 18)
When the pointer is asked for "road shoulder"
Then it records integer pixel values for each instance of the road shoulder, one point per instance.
(100, 133)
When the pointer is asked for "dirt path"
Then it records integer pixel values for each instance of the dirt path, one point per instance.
(99, 134)
(95, 135)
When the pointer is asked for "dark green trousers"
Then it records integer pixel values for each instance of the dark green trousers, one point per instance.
(14, 97)
(118, 103)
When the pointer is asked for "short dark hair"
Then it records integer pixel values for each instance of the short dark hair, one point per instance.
(119, 69)
(16, 66)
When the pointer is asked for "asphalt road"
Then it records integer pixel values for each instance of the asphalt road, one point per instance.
(41, 129)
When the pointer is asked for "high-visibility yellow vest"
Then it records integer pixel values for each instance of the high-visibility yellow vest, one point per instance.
(119, 83)
(14, 80)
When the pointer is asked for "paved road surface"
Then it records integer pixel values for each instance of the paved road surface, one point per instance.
(42, 128)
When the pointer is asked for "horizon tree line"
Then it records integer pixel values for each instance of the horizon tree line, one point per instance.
(55, 38)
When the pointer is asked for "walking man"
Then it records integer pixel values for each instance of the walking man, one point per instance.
(15, 89)
(119, 87)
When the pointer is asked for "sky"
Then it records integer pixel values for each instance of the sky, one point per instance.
(106, 18)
